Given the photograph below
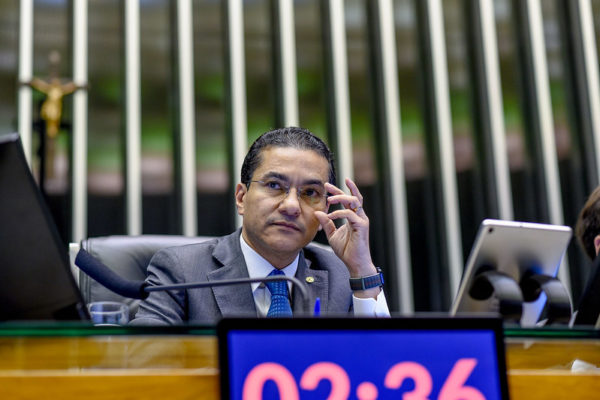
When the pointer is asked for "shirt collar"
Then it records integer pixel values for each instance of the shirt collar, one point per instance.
(259, 267)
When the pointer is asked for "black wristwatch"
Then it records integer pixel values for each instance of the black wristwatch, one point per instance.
(367, 282)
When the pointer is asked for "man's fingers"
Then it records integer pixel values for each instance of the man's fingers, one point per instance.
(354, 190)
(326, 223)
(348, 202)
(349, 214)
(334, 190)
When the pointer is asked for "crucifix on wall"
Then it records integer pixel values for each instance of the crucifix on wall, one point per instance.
(50, 114)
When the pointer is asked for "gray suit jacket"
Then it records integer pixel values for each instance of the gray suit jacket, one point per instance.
(220, 259)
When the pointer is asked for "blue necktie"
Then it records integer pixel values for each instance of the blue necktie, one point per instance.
(280, 305)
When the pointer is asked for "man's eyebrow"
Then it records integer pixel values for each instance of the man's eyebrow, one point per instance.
(276, 175)
(313, 182)
(285, 178)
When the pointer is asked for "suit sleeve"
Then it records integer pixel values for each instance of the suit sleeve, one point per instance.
(164, 307)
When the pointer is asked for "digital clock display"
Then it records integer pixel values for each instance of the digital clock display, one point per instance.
(365, 364)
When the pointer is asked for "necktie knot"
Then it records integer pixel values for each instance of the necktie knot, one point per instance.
(277, 288)
(280, 304)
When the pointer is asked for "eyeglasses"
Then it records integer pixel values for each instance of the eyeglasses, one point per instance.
(313, 195)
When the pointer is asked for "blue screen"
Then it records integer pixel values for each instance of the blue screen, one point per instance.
(367, 364)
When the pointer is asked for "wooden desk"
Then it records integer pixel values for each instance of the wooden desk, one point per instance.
(88, 366)
(542, 368)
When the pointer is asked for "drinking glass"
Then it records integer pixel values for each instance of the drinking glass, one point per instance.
(109, 313)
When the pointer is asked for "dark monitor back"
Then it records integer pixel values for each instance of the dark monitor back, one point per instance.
(35, 278)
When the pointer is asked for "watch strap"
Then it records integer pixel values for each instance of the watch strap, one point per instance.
(367, 282)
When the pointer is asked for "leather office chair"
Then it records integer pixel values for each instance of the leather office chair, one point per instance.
(128, 256)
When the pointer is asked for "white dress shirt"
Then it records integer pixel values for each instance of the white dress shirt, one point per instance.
(258, 267)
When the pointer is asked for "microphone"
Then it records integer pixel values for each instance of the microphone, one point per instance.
(142, 289)
(108, 278)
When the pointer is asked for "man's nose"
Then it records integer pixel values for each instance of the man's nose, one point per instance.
(291, 203)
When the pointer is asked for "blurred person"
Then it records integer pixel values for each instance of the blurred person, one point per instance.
(587, 228)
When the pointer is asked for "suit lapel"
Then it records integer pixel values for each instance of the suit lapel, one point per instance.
(316, 283)
(232, 300)
(236, 300)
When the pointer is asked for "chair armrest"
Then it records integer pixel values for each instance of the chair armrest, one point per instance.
(73, 250)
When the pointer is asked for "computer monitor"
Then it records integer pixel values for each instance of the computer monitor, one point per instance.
(517, 250)
(368, 358)
(35, 278)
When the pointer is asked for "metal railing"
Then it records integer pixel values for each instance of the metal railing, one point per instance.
(387, 99)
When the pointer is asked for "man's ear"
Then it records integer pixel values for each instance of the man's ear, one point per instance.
(240, 193)
(597, 243)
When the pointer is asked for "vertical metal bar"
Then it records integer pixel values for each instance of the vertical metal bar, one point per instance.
(590, 61)
(337, 76)
(80, 105)
(234, 25)
(387, 104)
(186, 117)
(25, 74)
(443, 123)
(545, 121)
(581, 64)
(286, 63)
(493, 91)
(132, 115)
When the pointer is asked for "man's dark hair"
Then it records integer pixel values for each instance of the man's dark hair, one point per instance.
(297, 138)
(588, 223)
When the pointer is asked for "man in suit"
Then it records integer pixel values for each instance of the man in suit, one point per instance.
(287, 185)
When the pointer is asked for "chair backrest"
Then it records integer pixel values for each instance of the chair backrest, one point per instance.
(129, 257)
